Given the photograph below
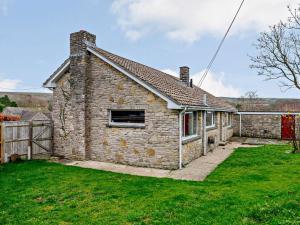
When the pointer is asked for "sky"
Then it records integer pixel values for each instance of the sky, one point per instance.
(164, 34)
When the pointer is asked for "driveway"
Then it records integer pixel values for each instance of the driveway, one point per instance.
(197, 170)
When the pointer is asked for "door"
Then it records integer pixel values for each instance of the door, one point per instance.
(287, 127)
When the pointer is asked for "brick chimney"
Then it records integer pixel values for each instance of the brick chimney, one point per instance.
(79, 82)
(185, 75)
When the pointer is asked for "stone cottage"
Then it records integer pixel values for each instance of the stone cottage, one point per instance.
(112, 109)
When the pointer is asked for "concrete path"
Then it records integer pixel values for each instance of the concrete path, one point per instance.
(258, 141)
(197, 170)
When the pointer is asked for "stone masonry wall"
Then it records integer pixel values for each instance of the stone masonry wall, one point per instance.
(219, 132)
(214, 133)
(62, 119)
(156, 145)
(260, 126)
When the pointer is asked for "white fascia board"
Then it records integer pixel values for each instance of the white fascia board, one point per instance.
(171, 104)
(51, 83)
(209, 109)
(268, 113)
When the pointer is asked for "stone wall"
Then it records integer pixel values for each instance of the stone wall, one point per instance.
(260, 126)
(220, 133)
(62, 119)
(156, 145)
(214, 133)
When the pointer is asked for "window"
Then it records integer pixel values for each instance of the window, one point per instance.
(210, 119)
(127, 117)
(189, 124)
(227, 119)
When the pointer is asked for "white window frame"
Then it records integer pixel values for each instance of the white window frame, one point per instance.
(196, 124)
(111, 123)
(213, 119)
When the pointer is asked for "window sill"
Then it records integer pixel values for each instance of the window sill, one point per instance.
(127, 125)
(211, 128)
(191, 138)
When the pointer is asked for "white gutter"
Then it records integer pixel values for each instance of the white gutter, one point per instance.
(268, 113)
(209, 109)
(180, 137)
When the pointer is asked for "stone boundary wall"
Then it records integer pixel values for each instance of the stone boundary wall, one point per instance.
(259, 126)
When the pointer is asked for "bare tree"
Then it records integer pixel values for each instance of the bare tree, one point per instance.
(250, 95)
(279, 52)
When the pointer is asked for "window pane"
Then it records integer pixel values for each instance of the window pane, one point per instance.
(225, 123)
(186, 124)
(195, 120)
(191, 121)
(209, 118)
(128, 116)
(229, 119)
(189, 124)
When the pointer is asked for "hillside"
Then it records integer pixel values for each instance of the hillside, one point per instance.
(35, 100)
(265, 104)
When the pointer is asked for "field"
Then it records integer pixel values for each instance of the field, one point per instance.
(254, 186)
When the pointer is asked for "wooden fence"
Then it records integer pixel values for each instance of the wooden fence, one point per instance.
(26, 139)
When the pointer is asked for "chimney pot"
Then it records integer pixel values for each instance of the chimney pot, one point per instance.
(191, 83)
(185, 75)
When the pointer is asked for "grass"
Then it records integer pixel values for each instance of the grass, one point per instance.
(254, 186)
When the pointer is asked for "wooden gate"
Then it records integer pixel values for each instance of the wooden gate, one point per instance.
(287, 127)
(25, 139)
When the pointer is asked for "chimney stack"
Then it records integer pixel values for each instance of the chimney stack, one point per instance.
(185, 75)
(79, 94)
(79, 42)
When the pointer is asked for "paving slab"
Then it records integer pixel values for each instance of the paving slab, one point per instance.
(258, 141)
(196, 170)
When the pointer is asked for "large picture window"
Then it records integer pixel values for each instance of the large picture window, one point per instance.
(127, 116)
(210, 119)
(189, 124)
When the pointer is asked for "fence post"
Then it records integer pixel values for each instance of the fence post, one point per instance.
(30, 140)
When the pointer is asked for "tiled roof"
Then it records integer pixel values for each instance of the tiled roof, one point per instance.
(167, 84)
(265, 104)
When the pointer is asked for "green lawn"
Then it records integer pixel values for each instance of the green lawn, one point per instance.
(254, 186)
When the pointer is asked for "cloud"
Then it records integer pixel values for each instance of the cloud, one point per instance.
(9, 84)
(189, 20)
(3, 7)
(213, 83)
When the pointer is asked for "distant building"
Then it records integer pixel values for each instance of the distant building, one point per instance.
(266, 117)
(27, 114)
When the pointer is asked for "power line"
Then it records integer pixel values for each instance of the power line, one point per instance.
(219, 47)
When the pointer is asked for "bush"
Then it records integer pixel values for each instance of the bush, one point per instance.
(6, 102)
